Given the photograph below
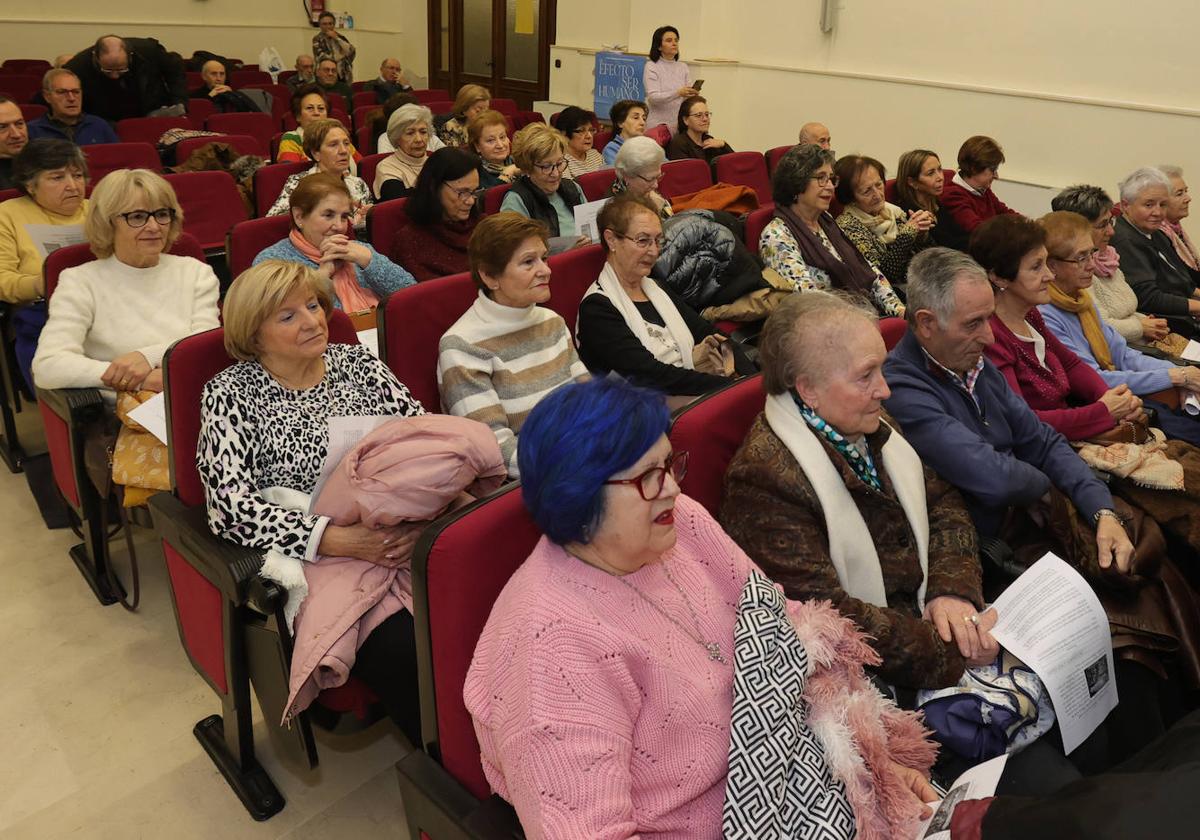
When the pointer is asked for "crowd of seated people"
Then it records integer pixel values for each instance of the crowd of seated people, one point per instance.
(1037, 355)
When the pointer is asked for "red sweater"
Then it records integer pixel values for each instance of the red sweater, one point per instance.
(969, 210)
(1065, 394)
(432, 251)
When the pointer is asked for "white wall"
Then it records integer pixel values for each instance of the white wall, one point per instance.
(235, 28)
(1073, 92)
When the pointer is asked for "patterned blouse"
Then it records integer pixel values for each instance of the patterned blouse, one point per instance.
(893, 258)
(360, 193)
(255, 434)
(779, 251)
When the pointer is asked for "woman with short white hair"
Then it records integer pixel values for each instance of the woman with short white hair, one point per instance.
(1178, 200)
(639, 168)
(1163, 282)
(409, 129)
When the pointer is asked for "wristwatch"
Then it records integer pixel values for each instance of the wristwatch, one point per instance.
(1107, 512)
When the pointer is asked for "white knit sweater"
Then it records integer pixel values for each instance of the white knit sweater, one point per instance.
(104, 309)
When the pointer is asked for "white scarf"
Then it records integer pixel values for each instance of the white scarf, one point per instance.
(850, 546)
(885, 225)
(608, 285)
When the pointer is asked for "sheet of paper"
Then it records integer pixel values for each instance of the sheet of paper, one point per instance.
(585, 218)
(558, 244)
(1192, 351)
(977, 783)
(1051, 619)
(370, 339)
(49, 238)
(152, 416)
(1191, 404)
(344, 435)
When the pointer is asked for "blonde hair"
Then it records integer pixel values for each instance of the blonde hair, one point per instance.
(534, 142)
(258, 293)
(468, 95)
(115, 193)
(317, 131)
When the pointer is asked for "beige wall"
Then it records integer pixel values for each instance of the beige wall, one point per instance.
(231, 27)
(1074, 92)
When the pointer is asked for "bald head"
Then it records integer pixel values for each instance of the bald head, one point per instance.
(305, 66)
(815, 133)
(213, 73)
(112, 55)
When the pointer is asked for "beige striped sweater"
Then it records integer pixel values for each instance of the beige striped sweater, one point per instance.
(497, 361)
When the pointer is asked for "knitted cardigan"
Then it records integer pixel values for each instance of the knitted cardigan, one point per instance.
(598, 716)
(431, 251)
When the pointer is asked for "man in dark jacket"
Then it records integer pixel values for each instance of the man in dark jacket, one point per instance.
(390, 82)
(224, 98)
(66, 119)
(130, 77)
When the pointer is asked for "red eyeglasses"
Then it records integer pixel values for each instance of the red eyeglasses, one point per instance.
(650, 484)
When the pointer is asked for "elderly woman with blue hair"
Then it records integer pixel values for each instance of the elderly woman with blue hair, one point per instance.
(603, 686)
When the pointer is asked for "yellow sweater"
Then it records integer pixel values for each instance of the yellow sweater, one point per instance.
(20, 260)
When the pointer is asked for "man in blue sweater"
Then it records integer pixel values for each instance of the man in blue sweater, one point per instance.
(66, 119)
(967, 424)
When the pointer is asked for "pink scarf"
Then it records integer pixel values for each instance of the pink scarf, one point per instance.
(1107, 261)
(1182, 243)
(353, 297)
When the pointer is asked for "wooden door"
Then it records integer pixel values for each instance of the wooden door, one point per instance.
(503, 45)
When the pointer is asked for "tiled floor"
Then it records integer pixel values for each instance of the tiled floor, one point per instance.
(98, 705)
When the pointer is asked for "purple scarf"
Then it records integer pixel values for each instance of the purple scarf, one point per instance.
(852, 272)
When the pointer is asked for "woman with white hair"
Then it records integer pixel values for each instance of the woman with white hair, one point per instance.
(639, 167)
(1178, 200)
(1162, 281)
(409, 128)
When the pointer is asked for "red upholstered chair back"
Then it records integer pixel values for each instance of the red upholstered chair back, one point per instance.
(460, 566)
(680, 177)
(285, 75)
(211, 205)
(414, 321)
(241, 78)
(337, 102)
(199, 110)
(601, 139)
(103, 158)
(269, 181)
(261, 126)
(362, 138)
(892, 329)
(383, 221)
(20, 88)
(440, 108)
(508, 107)
(427, 95)
(5, 195)
(367, 167)
(194, 79)
(360, 113)
(364, 99)
(493, 197)
(774, 156)
(148, 129)
(755, 222)
(597, 185)
(660, 133)
(359, 87)
(24, 66)
(571, 273)
(251, 236)
(31, 112)
(243, 144)
(747, 169)
(711, 430)
(524, 118)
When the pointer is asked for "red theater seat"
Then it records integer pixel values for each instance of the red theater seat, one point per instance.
(251, 236)
(681, 177)
(211, 205)
(148, 129)
(384, 219)
(103, 158)
(748, 169)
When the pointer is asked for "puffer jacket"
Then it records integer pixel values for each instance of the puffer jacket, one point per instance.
(704, 262)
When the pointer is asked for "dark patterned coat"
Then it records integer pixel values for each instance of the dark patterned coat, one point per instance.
(771, 509)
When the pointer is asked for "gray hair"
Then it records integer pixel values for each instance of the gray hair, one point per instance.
(1171, 170)
(1140, 180)
(932, 277)
(404, 117)
(638, 155)
(1084, 199)
(795, 170)
(42, 155)
(52, 74)
(803, 335)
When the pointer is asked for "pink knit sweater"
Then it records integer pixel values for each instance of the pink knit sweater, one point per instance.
(599, 717)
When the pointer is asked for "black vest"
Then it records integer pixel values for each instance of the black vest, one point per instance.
(538, 203)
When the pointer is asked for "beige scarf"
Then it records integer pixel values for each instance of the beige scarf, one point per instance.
(609, 285)
(850, 546)
(885, 226)
(1146, 465)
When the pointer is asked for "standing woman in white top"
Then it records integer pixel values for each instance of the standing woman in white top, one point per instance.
(667, 79)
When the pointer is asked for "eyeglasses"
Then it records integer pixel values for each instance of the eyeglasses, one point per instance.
(586, 129)
(467, 195)
(650, 179)
(644, 242)
(138, 218)
(115, 71)
(1106, 222)
(702, 115)
(650, 484)
(66, 92)
(548, 168)
(1080, 261)
(823, 179)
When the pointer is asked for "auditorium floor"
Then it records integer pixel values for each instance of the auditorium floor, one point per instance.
(97, 709)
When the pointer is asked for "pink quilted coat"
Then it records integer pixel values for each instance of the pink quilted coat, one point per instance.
(408, 470)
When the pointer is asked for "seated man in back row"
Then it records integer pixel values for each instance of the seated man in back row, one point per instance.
(14, 134)
(815, 133)
(66, 119)
(224, 98)
(390, 82)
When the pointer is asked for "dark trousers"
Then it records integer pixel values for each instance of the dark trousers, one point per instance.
(387, 663)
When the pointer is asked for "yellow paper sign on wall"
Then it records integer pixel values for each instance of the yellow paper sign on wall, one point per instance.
(523, 25)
